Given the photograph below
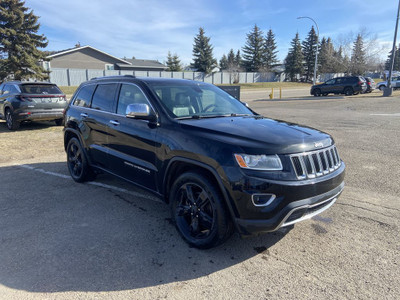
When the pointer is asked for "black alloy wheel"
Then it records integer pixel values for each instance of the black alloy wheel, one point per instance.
(12, 124)
(198, 211)
(59, 122)
(348, 91)
(317, 92)
(77, 163)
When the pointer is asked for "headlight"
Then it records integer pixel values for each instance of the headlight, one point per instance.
(259, 162)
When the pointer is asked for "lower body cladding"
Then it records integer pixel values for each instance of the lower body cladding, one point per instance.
(39, 115)
(269, 205)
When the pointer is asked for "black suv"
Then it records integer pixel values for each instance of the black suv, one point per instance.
(216, 162)
(31, 101)
(351, 85)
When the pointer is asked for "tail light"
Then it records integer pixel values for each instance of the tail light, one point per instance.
(23, 98)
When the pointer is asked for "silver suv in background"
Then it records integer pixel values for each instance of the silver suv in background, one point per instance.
(383, 84)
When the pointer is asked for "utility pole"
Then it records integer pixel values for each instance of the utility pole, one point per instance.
(388, 91)
(316, 52)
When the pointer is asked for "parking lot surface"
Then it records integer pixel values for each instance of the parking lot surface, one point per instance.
(109, 240)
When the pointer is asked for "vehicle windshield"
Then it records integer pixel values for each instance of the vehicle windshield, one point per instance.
(192, 100)
(41, 89)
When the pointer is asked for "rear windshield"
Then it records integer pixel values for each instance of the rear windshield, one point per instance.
(41, 89)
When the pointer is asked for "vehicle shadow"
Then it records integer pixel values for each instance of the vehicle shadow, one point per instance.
(26, 126)
(57, 235)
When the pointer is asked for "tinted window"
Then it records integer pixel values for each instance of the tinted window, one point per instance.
(84, 96)
(40, 89)
(103, 98)
(332, 81)
(130, 94)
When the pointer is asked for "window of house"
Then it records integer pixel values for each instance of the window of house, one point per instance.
(109, 66)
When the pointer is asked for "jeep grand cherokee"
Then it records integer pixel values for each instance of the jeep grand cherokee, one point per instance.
(218, 164)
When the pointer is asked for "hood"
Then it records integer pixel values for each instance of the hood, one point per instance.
(255, 133)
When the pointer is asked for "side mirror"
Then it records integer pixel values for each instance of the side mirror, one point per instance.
(140, 111)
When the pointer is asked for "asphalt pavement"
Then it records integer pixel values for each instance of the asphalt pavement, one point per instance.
(109, 240)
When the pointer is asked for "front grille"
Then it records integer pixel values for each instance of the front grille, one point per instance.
(315, 163)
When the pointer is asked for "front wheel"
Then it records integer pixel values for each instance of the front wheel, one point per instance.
(317, 92)
(198, 211)
(77, 163)
(382, 87)
(12, 124)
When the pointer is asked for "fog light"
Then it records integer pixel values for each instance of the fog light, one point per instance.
(262, 199)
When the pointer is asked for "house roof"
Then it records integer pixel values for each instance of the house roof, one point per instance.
(145, 63)
(123, 62)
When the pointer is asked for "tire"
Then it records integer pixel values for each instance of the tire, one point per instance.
(198, 211)
(325, 94)
(382, 87)
(348, 91)
(77, 162)
(317, 92)
(59, 122)
(11, 123)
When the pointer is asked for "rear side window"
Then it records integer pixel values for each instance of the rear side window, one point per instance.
(41, 89)
(103, 98)
(84, 96)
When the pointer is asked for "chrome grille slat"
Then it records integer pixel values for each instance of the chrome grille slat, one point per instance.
(315, 163)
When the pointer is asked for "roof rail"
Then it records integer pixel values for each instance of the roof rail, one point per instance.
(113, 76)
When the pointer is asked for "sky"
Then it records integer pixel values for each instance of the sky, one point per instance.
(148, 29)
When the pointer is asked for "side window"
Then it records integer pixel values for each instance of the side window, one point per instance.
(84, 96)
(332, 81)
(103, 98)
(130, 94)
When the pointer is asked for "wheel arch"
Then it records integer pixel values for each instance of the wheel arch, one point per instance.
(180, 165)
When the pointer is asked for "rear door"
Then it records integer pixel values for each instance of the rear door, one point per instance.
(96, 120)
(132, 142)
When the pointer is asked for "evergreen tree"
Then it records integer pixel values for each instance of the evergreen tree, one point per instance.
(294, 59)
(396, 65)
(340, 63)
(223, 63)
(238, 59)
(203, 60)
(254, 51)
(173, 63)
(310, 48)
(358, 64)
(230, 62)
(270, 58)
(19, 42)
(326, 57)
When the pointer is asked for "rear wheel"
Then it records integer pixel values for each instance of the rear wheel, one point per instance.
(348, 91)
(59, 122)
(198, 211)
(12, 124)
(317, 92)
(77, 163)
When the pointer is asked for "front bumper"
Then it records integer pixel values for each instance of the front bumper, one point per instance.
(293, 202)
